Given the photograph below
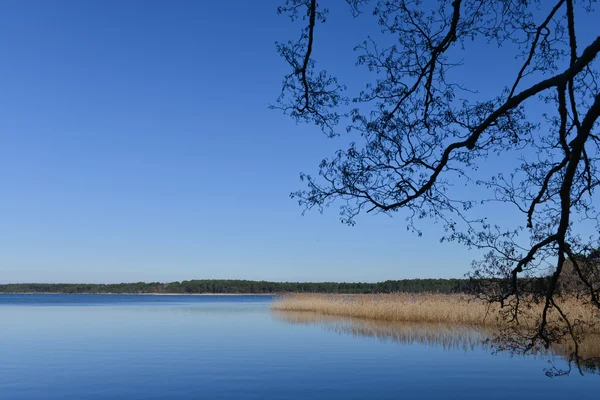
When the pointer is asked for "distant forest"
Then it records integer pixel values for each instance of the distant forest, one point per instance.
(244, 286)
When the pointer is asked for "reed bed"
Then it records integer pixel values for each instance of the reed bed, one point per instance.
(431, 308)
(456, 309)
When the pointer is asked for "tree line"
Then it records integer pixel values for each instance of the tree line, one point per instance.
(245, 286)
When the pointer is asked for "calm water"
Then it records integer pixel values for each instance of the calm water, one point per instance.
(233, 347)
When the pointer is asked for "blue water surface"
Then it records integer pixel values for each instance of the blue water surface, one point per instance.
(233, 347)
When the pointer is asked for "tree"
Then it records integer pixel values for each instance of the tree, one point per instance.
(421, 132)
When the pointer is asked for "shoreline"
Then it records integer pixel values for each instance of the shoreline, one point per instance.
(149, 294)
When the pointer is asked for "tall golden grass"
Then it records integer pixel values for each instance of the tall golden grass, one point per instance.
(455, 309)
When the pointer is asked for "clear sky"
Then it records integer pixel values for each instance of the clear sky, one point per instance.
(136, 144)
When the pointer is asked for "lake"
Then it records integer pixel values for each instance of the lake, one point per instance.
(234, 347)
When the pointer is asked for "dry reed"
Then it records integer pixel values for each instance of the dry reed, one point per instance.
(422, 308)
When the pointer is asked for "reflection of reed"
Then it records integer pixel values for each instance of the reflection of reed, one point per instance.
(447, 336)
(589, 348)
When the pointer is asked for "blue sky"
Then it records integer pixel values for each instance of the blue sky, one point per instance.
(136, 143)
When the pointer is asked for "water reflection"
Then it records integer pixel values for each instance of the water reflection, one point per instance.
(445, 336)
(449, 337)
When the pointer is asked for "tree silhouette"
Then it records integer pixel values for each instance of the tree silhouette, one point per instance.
(422, 131)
